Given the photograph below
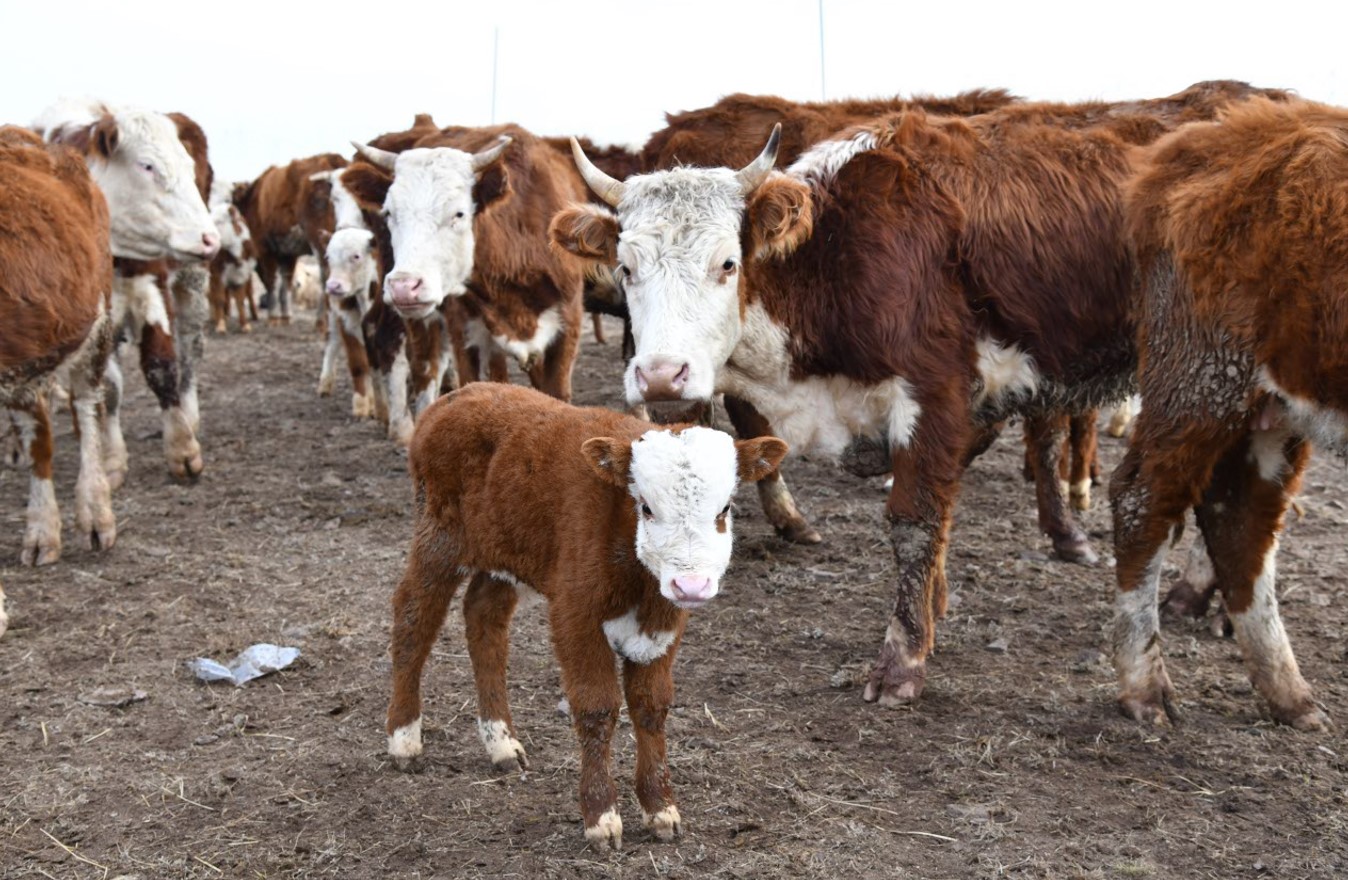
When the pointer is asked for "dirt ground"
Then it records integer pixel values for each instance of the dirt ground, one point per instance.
(1015, 763)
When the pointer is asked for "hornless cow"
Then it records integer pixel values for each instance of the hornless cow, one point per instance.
(1239, 228)
(55, 286)
(232, 269)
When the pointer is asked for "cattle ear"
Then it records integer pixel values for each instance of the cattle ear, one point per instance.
(759, 457)
(368, 185)
(106, 135)
(610, 459)
(492, 183)
(781, 216)
(588, 231)
(323, 238)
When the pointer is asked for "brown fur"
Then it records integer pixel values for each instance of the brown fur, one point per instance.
(1240, 229)
(475, 455)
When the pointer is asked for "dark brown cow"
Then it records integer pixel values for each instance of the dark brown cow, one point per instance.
(1240, 229)
(286, 216)
(622, 526)
(55, 295)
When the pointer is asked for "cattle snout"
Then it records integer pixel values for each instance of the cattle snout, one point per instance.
(406, 292)
(692, 590)
(663, 379)
(335, 288)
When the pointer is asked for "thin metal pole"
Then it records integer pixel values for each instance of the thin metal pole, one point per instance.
(495, 56)
(823, 92)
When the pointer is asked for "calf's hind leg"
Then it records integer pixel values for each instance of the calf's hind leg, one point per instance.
(487, 608)
(419, 606)
(650, 691)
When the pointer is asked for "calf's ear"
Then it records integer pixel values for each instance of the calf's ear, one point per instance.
(780, 215)
(610, 459)
(368, 184)
(588, 231)
(759, 457)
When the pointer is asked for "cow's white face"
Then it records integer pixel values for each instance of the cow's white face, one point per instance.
(682, 485)
(149, 181)
(679, 263)
(231, 228)
(430, 219)
(345, 211)
(351, 263)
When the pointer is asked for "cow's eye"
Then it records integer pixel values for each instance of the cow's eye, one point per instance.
(725, 511)
(646, 511)
(729, 266)
(146, 167)
(626, 272)
(458, 215)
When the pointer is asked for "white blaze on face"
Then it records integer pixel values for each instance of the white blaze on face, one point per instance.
(351, 264)
(149, 181)
(344, 208)
(679, 264)
(430, 219)
(682, 485)
(230, 227)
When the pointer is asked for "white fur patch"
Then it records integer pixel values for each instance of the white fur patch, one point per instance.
(665, 823)
(430, 219)
(626, 638)
(1321, 425)
(405, 742)
(607, 831)
(1005, 370)
(528, 350)
(822, 162)
(496, 739)
(1136, 621)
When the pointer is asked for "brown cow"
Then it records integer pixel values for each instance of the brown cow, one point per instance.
(286, 215)
(1239, 228)
(623, 526)
(55, 294)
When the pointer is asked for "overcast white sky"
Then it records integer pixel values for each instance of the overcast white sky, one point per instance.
(271, 81)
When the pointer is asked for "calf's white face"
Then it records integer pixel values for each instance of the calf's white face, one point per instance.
(230, 226)
(351, 264)
(682, 485)
(430, 208)
(148, 178)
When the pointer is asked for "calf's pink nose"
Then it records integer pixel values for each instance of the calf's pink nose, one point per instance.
(694, 587)
(334, 286)
(210, 244)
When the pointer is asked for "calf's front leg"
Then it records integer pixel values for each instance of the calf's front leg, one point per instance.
(650, 691)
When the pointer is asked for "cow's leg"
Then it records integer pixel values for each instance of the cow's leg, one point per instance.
(420, 602)
(927, 470)
(488, 606)
(159, 363)
(1123, 415)
(93, 496)
(1085, 469)
(498, 367)
(42, 537)
(778, 505)
(559, 360)
(597, 322)
(1241, 516)
(650, 692)
(590, 682)
(327, 376)
(1160, 477)
(189, 335)
(249, 300)
(1192, 594)
(219, 301)
(423, 361)
(1049, 434)
(115, 461)
(4, 618)
(400, 423)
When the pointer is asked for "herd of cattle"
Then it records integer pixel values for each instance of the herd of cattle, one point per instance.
(885, 281)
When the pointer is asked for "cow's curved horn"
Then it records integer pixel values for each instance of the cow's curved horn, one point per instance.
(753, 174)
(607, 188)
(383, 158)
(485, 157)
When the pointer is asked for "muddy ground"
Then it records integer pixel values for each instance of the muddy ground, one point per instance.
(1016, 762)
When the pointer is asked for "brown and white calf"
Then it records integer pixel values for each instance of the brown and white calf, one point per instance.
(1239, 228)
(353, 273)
(55, 287)
(232, 270)
(152, 168)
(622, 525)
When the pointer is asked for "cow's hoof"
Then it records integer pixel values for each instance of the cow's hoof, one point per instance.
(326, 384)
(188, 468)
(867, 457)
(1155, 707)
(607, 833)
(665, 824)
(895, 686)
(40, 551)
(1304, 716)
(362, 407)
(1075, 549)
(404, 747)
(1186, 600)
(1080, 495)
(799, 532)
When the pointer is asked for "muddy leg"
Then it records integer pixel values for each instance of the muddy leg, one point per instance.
(650, 691)
(778, 505)
(1241, 516)
(419, 607)
(189, 335)
(590, 681)
(1050, 434)
(42, 537)
(93, 496)
(327, 375)
(487, 608)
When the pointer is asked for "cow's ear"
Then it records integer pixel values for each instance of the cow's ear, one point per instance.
(368, 184)
(759, 457)
(492, 183)
(106, 135)
(324, 237)
(610, 459)
(780, 216)
(588, 231)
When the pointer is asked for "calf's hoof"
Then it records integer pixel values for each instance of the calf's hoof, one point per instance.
(1313, 719)
(116, 477)
(607, 832)
(664, 824)
(1154, 706)
(894, 683)
(325, 386)
(1076, 549)
(187, 468)
(1080, 495)
(362, 407)
(404, 747)
(503, 750)
(43, 550)
(799, 532)
(245, 328)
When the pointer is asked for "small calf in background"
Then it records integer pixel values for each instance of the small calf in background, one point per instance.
(622, 525)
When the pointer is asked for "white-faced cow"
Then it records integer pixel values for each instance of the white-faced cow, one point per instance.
(55, 287)
(232, 270)
(622, 526)
(1239, 228)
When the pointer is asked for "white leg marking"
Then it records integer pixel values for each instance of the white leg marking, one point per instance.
(665, 823)
(327, 377)
(405, 742)
(1137, 627)
(42, 540)
(607, 833)
(503, 750)
(180, 444)
(399, 419)
(93, 497)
